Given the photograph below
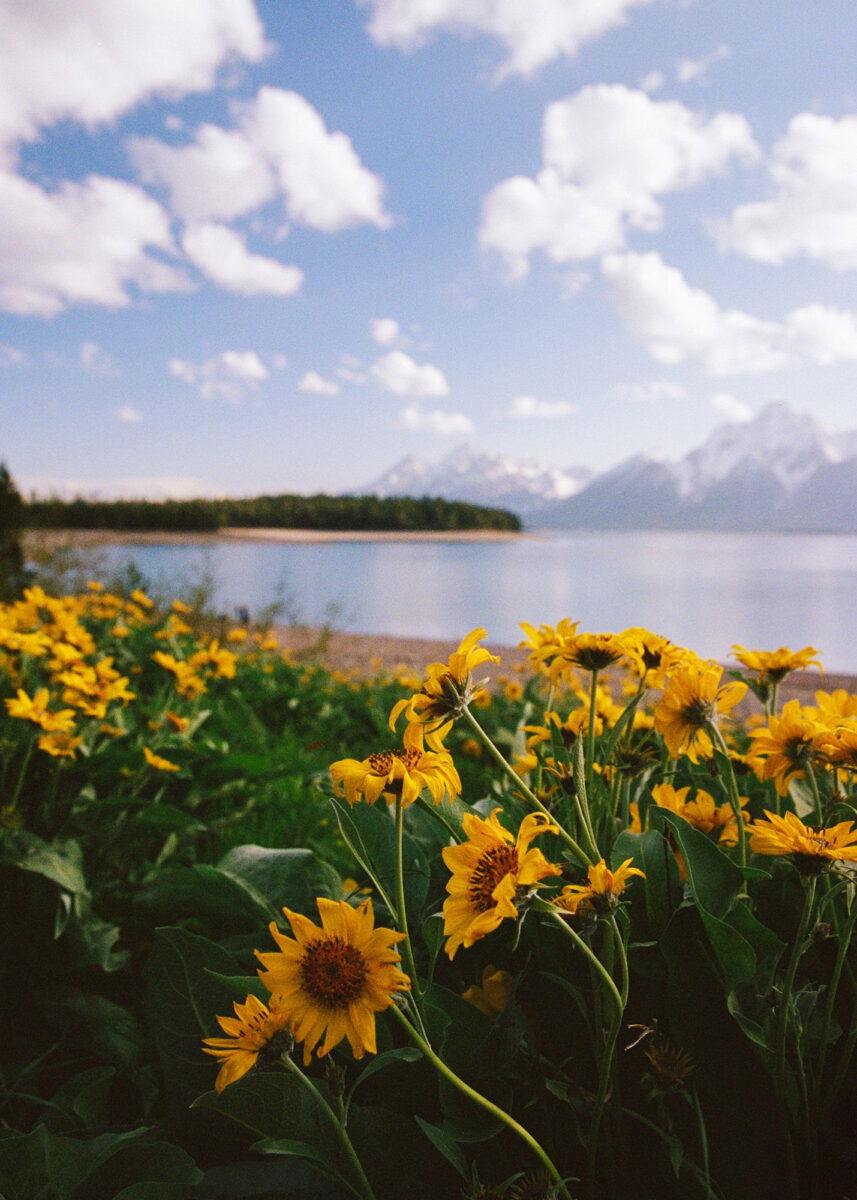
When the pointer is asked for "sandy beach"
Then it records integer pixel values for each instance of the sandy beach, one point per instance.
(106, 537)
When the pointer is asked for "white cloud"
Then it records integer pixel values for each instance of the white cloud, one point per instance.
(529, 408)
(731, 406)
(92, 60)
(11, 356)
(534, 32)
(608, 152)
(826, 335)
(84, 243)
(97, 361)
(126, 412)
(314, 383)
(656, 391)
(220, 175)
(813, 170)
(652, 82)
(434, 421)
(385, 330)
(399, 374)
(228, 376)
(221, 254)
(690, 70)
(279, 147)
(677, 322)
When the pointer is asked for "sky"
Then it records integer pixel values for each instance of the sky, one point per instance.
(277, 246)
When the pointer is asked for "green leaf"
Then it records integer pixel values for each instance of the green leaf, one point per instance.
(714, 879)
(182, 1002)
(242, 986)
(86, 1094)
(286, 878)
(107, 1030)
(370, 833)
(34, 1162)
(141, 1162)
(61, 862)
(290, 1146)
(380, 1061)
(448, 1147)
(206, 892)
(662, 889)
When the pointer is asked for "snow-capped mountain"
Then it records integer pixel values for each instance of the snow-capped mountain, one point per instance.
(497, 480)
(781, 471)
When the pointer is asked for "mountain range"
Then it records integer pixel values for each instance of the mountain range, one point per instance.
(782, 471)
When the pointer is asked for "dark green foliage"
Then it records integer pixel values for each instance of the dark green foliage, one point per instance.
(397, 513)
(12, 573)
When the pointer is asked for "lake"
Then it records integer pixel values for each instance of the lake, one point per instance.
(704, 590)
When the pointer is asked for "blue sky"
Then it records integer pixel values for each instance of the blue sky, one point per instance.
(277, 246)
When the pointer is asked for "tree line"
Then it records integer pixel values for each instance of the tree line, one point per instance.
(371, 513)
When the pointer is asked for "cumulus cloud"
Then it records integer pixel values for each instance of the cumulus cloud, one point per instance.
(280, 147)
(691, 70)
(97, 60)
(534, 32)
(385, 331)
(656, 391)
(399, 374)
(11, 356)
(608, 153)
(434, 420)
(730, 406)
(227, 376)
(97, 361)
(677, 323)
(222, 255)
(813, 173)
(84, 243)
(529, 408)
(126, 412)
(317, 385)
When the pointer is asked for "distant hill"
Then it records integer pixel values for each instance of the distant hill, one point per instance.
(783, 471)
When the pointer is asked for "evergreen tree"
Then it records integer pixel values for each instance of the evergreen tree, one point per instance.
(12, 573)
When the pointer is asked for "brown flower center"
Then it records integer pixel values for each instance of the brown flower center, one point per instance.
(382, 763)
(698, 712)
(821, 842)
(333, 973)
(493, 865)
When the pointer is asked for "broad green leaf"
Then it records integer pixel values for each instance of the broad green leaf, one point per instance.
(203, 891)
(286, 878)
(295, 1148)
(713, 878)
(61, 862)
(183, 1000)
(141, 1162)
(447, 1146)
(380, 1061)
(662, 889)
(32, 1163)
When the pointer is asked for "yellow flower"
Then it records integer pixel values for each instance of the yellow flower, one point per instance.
(774, 665)
(702, 812)
(786, 746)
(406, 773)
(603, 890)
(188, 682)
(59, 744)
(140, 597)
(836, 704)
(330, 980)
(656, 655)
(813, 849)
(671, 1065)
(447, 688)
(160, 764)
(690, 702)
(254, 1030)
(513, 690)
(493, 994)
(838, 746)
(545, 642)
(178, 723)
(471, 748)
(179, 606)
(489, 873)
(37, 711)
(237, 635)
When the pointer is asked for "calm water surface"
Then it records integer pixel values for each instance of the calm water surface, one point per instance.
(704, 590)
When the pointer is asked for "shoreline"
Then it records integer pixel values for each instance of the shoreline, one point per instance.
(107, 537)
(363, 653)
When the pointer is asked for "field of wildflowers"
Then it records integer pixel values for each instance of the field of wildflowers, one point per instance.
(583, 931)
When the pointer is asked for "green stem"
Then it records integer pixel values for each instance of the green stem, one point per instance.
(590, 729)
(816, 795)
(365, 1188)
(581, 799)
(529, 795)
(732, 793)
(483, 1101)
(781, 1033)
(22, 773)
(844, 941)
(401, 908)
(602, 973)
(703, 1138)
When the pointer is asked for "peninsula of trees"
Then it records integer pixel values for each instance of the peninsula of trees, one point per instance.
(396, 513)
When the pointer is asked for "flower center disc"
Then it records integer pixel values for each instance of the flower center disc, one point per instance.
(332, 971)
(493, 865)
